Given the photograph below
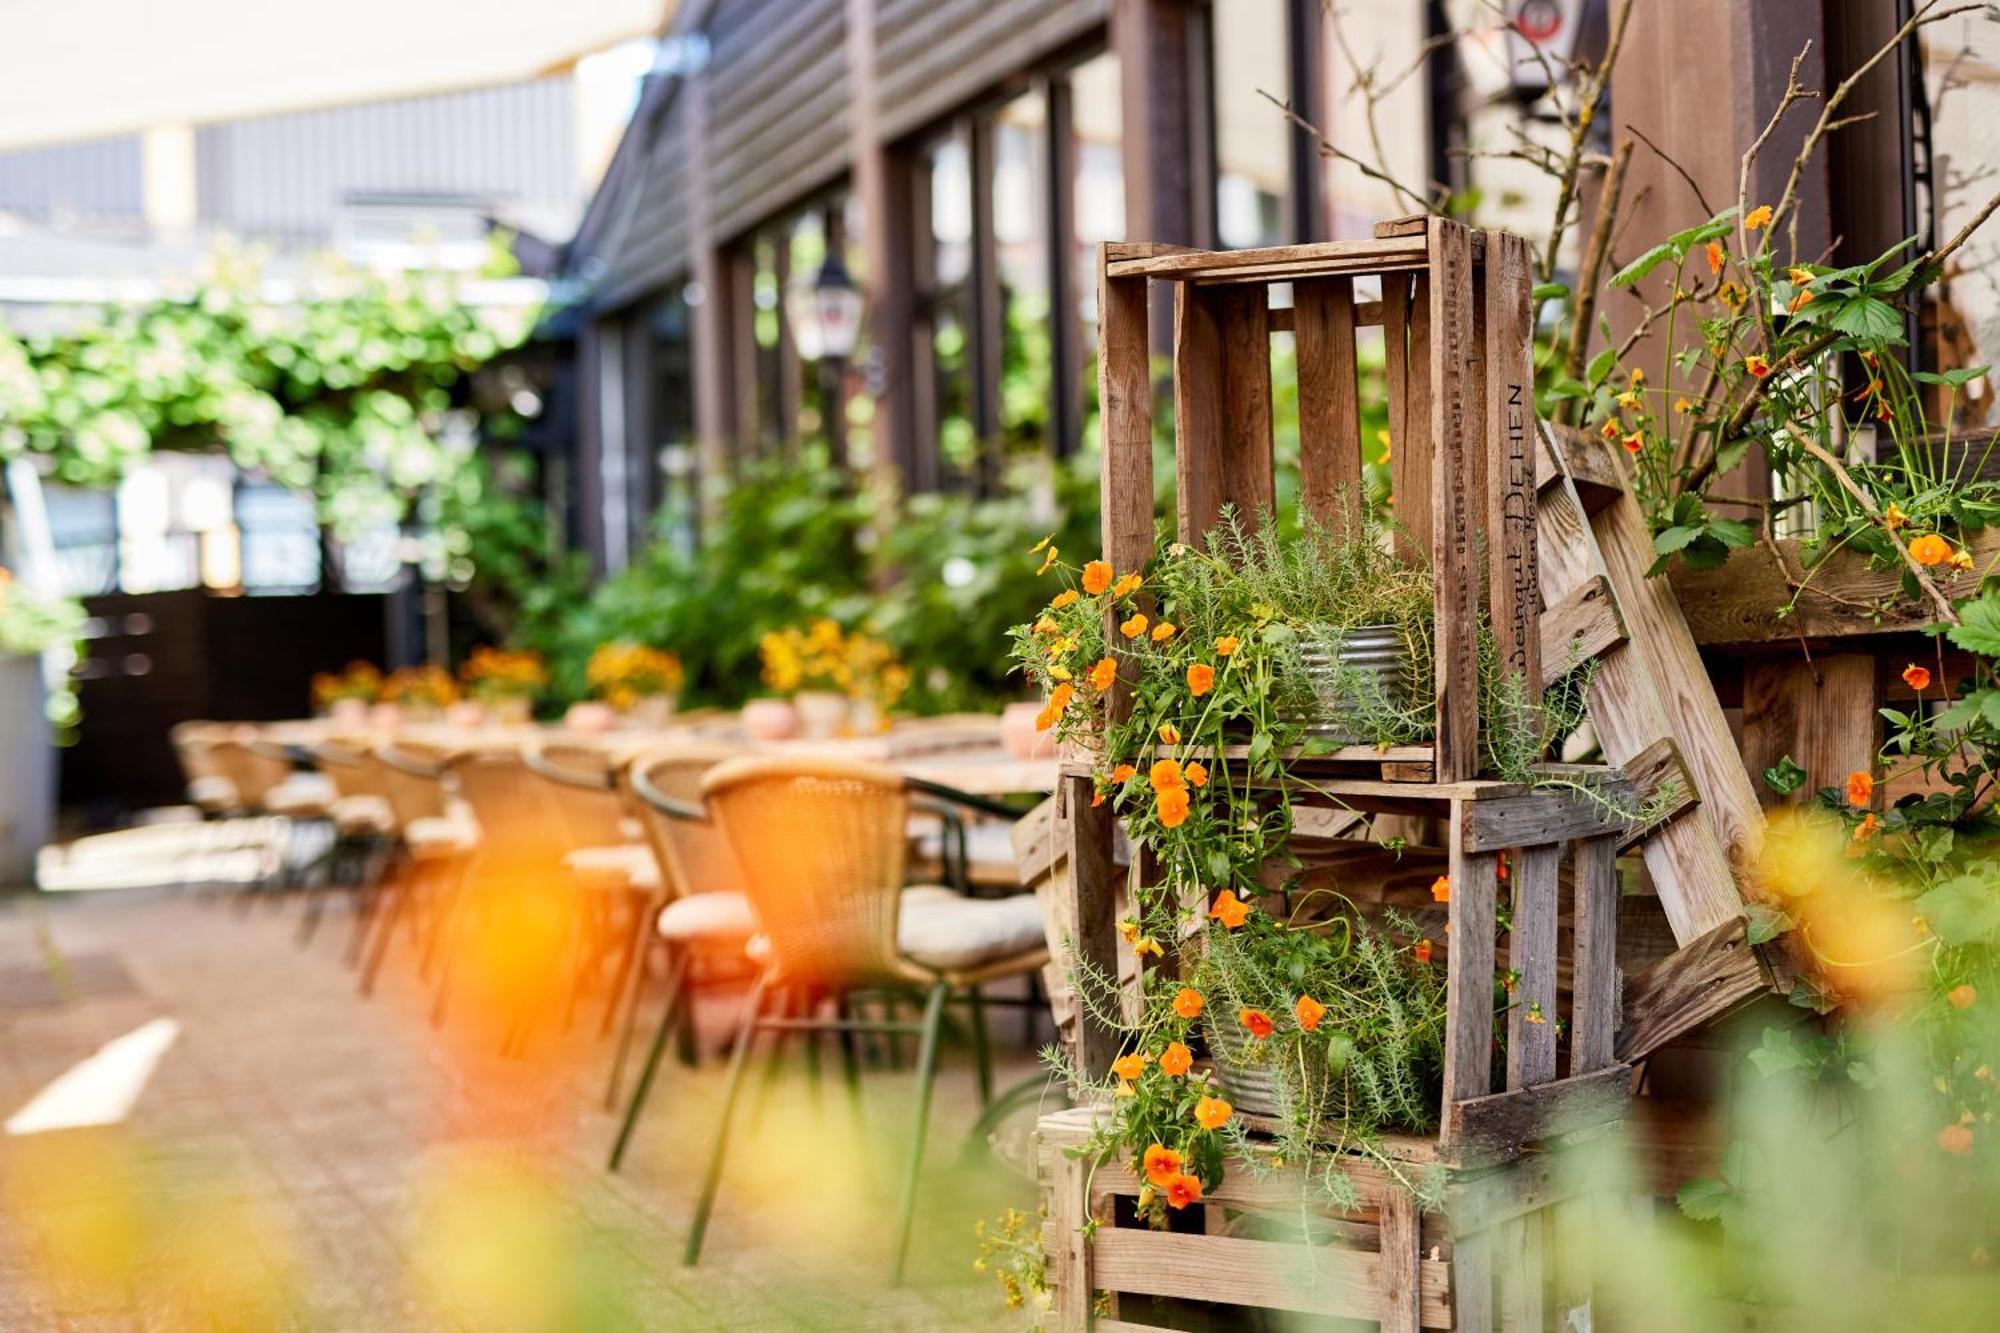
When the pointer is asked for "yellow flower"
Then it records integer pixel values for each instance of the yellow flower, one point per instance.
(1961, 559)
(1048, 560)
(1638, 376)
(1059, 673)
(1683, 406)
(1064, 598)
(1170, 734)
(1047, 625)
(1799, 277)
(1126, 586)
(1758, 217)
(1630, 401)
(1134, 627)
(1893, 517)
(1163, 631)
(1041, 545)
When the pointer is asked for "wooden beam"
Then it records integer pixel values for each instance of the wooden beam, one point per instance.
(1552, 815)
(1696, 985)
(1511, 448)
(1162, 100)
(1125, 426)
(1581, 626)
(1065, 353)
(1455, 554)
(1499, 1126)
(1282, 263)
(1821, 712)
(1091, 914)
(1599, 474)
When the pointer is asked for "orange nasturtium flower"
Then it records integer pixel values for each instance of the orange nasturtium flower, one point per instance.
(1165, 630)
(1227, 645)
(1123, 773)
(1182, 1190)
(1200, 679)
(1129, 1067)
(1188, 1002)
(1714, 257)
(1961, 559)
(1610, 429)
(1047, 625)
(1257, 1022)
(1860, 787)
(1165, 775)
(1916, 677)
(1212, 1112)
(1634, 442)
(1172, 807)
(1760, 216)
(1757, 365)
(1309, 1012)
(1176, 1060)
(1441, 889)
(1961, 997)
(1063, 598)
(1128, 930)
(1161, 1164)
(1134, 627)
(1096, 798)
(1421, 950)
(1126, 586)
(1096, 576)
(1169, 734)
(1867, 827)
(1104, 674)
(1229, 909)
(1955, 1139)
(1197, 774)
(1930, 549)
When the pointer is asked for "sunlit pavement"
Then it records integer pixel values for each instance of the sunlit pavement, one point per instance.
(296, 1157)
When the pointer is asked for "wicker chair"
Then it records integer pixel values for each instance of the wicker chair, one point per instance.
(434, 839)
(209, 787)
(704, 918)
(822, 845)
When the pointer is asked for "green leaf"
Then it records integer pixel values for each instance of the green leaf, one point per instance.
(1954, 378)
(1645, 264)
(1869, 319)
(1601, 365)
(1964, 910)
(1704, 1198)
(1978, 628)
(1779, 1053)
(1674, 539)
(1733, 531)
(1785, 777)
(1765, 923)
(1549, 291)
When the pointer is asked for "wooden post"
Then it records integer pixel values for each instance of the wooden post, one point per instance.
(1514, 578)
(1065, 356)
(1594, 955)
(1092, 907)
(1402, 1261)
(714, 379)
(988, 335)
(1125, 416)
(1457, 514)
(1468, 1056)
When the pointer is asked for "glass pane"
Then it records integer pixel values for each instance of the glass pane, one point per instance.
(1253, 174)
(1020, 193)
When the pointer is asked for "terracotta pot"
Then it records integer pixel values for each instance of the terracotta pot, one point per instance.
(770, 720)
(652, 712)
(466, 714)
(590, 718)
(349, 712)
(822, 714)
(513, 709)
(1020, 735)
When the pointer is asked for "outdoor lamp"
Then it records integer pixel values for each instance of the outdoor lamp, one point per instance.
(825, 314)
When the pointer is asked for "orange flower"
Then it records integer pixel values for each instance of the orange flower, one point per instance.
(1169, 734)
(1757, 365)
(1441, 889)
(1230, 910)
(1165, 775)
(1226, 645)
(1096, 576)
(1866, 828)
(1126, 586)
(1803, 277)
(1176, 1060)
(1961, 997)
(1961, 559)
(1188, 1002)
(1161, 1164)
(1163, 631)
(1421, 950)
(1197, 774)
(1104, 673)
(1182, 1190)
(1172, 807)
(1860, 787)
(1257, 1021)
(1760, 216)
(1955, 1139)
(1212, 1112)
(1634, 442)
(1638, 375)
(1804, 297)
(1134, 627)
(1200, 679)
(1063, 598)
(1309, 1012)
(1714, 257)
(1916, 677)
(1129, 1067)
(1046, 625)
(1123, 773)
(1930, 549)
(1096, 799)
(1610, 429)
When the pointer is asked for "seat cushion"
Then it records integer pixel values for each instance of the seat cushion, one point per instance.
(356, 816)
(626, 866)
(439, 836)
(708, 918)
(302, 796)
(213, 793)
(949, 933)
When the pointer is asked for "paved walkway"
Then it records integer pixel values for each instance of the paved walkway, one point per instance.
(305, 1159)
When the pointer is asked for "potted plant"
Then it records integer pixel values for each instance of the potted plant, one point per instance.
(838, 682)
(30, 625)
(415, 693)
(505, 681)
(345, 695)
(641, 682)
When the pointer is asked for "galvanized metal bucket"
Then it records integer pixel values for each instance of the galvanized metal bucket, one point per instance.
(1252, 1083)
(1374, 657)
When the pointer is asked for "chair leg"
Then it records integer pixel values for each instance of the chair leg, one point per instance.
(982, 1048)
(850, 1052)
(926, 1067)
(629, 960)
(390, 912)
(745, 1035)
(791, 1004)
(676, 983)
(628, 1022)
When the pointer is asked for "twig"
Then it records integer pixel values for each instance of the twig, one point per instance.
(1867, 503)
(1590, 92)
(1593, 266)
(1329, 150)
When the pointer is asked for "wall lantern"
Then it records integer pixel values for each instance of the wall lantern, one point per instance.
(825, 313)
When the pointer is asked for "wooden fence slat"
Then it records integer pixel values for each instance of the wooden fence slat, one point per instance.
(1472, 1283)
(1580, 626)
(1401, 1273)
(1468, 1057)
(1454, 544)
(1514, 582)
(1820, 711)
(1272, 1275)
(1698, 983)
(1531, 946)
(1329, 400)
(1072, 1285)
(1594, 953)
(1498, 1126)
(1197, 412)
(1248, 478)
(1092, 913)
(1541, 818)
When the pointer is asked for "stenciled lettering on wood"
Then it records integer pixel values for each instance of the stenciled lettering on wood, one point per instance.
(1518, 515)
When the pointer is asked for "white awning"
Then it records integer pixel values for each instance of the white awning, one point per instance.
(88, 69)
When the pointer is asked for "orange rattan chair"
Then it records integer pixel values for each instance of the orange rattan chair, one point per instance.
(822, 845)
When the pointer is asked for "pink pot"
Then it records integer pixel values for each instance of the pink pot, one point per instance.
(466, 714)
(593, 718)
(770, 720)
(1019, 734)
(349, 712)
(386, 715)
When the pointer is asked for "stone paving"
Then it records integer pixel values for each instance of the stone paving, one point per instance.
(305, 1159)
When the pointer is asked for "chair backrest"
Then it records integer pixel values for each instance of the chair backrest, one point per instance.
(412, 776)
(822, 847)
(254, 767)
(582, 787)
(664, 786)
(516, 821)
(194, 745)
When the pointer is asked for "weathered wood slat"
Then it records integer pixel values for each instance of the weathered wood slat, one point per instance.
(1550, 815)
(1598, 475)
(1125, 414)
(1198, 406)
(1455, 506)
(1820, 712)
(1699, 983)
(1594, 954)
(1329, 401)
(1270, 1275)
(1581, 626)
(1281, 263)
(1468, 1058)
(1400, 1275)
(1507, 367)
(1531, 944)
(1660, 784)
(1248, 481)
(1092, 912)
(1498, 1126)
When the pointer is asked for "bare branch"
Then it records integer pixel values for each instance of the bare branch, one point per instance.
(1679, 170)
(1593, 267)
